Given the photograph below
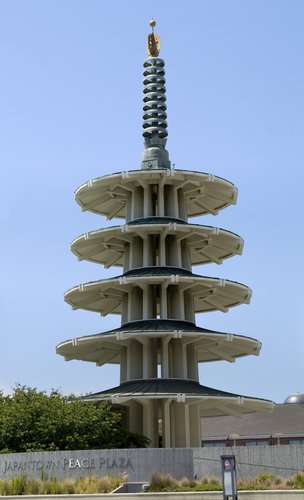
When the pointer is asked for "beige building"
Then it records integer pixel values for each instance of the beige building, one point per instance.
(284, 426)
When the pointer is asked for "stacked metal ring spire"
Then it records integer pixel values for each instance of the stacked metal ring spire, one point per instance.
(154, 108)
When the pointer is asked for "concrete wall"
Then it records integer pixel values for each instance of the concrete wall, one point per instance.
(283, 461)
(140, 464)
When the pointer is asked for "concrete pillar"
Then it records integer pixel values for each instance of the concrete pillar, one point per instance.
(181, 426)
(178, 359)
(162, 250)
(125, 309)
(174, 305)
(185, 255)
(123, 364)
(165, 357)
(182, 305)
(151, 250)
(161, 201)
(134, 360)
(149, 352)
(135, 417)
(192, 365)
(151, 302)
(189, 308)
(172, 425)
(150, 422)
(126, 257)
(166, 423)
(129, 206)
(187, 426)
(145, 302)
(137, 252)
(136, 297)
(170, 204)
(163, 302)
(137, 205)
(182, 214)
(195, 426)
(148, 201)
(173, 251)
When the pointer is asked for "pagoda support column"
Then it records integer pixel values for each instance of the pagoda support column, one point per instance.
(161, 203)
(123, 364)
(166, 421)
(134, 360)
(137, 205)
(149, 356)
(181, 430)
(179, 359)
(192, 365)
(135, 417)
(165, 357)
(194, 426)
(150, 422)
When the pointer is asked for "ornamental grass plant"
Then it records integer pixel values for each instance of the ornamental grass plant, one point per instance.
(296, 481)
(21, 485)
(265, 481)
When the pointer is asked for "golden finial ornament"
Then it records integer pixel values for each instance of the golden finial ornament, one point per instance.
(153, 47)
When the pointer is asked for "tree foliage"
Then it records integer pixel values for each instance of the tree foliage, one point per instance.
(32, 420)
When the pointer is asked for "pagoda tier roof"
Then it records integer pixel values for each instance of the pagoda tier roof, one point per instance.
(204, 193)
(206, 243)
(210, 345)
(211, 402)
(209, 294)
(156, 220)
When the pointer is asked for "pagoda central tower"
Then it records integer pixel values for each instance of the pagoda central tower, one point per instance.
(158, 345)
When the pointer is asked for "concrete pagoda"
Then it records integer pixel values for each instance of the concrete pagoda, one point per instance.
(158, 345)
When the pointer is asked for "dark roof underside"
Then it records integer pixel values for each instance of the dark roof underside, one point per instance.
(159, 271)
(166, 387)
(161, 325)
(155, 220)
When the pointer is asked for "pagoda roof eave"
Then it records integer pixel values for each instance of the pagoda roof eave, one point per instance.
(211, 402)
(210, 294)
(210, 345)
(207, 244)
(107, 195)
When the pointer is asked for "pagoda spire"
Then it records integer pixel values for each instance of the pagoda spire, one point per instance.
(154, 107)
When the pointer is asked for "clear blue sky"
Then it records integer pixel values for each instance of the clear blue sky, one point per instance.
(71, 96)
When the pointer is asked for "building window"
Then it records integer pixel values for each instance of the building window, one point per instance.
(295, 441)
(256, 443)
(213, 444)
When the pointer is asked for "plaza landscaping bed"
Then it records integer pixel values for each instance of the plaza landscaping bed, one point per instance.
(160, 485)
